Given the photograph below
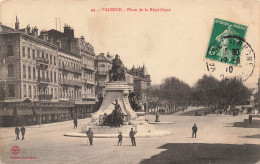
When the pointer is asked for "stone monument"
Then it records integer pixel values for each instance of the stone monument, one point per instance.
(116, 100)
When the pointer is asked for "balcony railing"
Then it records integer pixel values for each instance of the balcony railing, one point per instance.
(78, 83)
(70, 82)
(70, 69)
(42, 60)
(45, 97)
(44, 80)
(91, 67)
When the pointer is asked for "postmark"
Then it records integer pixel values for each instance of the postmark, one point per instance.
(246, 63)
(228, 54)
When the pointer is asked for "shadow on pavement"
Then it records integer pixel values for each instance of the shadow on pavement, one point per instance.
(122, 145)
(255, 124)
(192, 113)
(253, 136)
(206, 153)
(85, 145)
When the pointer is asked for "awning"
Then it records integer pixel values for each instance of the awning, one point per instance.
(24, 111)
(18, 111)
(6, 112)
(51, 111)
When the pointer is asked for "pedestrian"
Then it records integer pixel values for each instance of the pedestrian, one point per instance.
(90, 135)
(250, 118)
(120, 138)
(17, 131)
(23, 132)
(75, 123)
(205, 113)
(194, 130)
(132, 136)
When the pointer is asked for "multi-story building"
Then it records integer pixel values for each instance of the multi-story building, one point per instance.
(84, 51)
(69, 76)
(142, 83)
(46, 78)
(104, 65)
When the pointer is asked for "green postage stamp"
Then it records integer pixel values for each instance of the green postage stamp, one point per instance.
(226, 42)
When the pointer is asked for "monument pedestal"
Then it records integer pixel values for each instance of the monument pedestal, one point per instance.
(118, 90)
(115, 90)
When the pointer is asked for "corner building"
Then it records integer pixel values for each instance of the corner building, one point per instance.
(44, 78)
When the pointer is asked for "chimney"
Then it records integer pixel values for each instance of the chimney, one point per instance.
(68, 31)
(28, 29)
(45, 35)
(59, 43)
(82, 38)
(17, 24)
(72, 32)
(35, 31)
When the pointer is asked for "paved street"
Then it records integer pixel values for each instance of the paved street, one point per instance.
(220, 139)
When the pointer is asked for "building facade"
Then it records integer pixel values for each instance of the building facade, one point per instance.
(142, 83)
(46, 78)
(104, 65)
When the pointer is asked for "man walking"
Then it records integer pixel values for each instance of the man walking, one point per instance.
(23, 132)
(75, 123)
(132, 136)
(17, 131)
(194, 130)
(90, 135)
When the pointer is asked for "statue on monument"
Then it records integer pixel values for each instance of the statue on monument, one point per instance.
(117, 73)
(116, 118)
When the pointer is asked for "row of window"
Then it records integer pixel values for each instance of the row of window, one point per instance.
(70, 93)
(89, 90)
(75, 65)
(51, 75)
(31, 54)
(70, 77)
(30, 91)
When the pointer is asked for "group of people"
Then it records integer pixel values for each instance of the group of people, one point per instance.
(17, 132)
(132, 133)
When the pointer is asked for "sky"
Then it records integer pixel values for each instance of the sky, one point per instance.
(170, 43)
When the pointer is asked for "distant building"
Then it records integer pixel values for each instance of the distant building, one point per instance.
(104, 64)
(142, 83)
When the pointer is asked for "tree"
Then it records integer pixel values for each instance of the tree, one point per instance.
(207, 90)
(172, 89)
(233, 92)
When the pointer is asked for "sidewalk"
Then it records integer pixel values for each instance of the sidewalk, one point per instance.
(59, 123)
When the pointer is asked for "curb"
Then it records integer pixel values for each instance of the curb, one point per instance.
(156, 133)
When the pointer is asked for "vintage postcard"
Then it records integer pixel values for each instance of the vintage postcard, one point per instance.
(110, 81)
